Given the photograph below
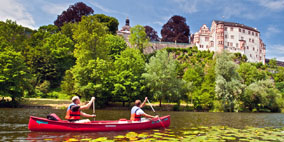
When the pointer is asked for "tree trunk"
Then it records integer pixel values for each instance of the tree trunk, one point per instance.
(160, 102)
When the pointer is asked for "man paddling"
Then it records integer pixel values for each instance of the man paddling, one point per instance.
(137, 112)
(74, 111)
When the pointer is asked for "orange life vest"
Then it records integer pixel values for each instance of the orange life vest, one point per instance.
(135, 117)
(72, 115)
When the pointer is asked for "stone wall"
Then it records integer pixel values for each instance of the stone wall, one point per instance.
(160, 45)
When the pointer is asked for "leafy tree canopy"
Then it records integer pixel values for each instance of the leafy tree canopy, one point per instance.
(138, 37)
(176, 30)
(151, 33)
(111, 22)
(73, 14)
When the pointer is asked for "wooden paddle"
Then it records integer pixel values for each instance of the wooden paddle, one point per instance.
(94, 109)
(156, 114)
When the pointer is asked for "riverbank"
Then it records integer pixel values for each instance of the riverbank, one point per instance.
(64, 103)
(46, 103)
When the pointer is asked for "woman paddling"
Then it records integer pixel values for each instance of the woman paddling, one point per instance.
(74, 111)
(137, 112)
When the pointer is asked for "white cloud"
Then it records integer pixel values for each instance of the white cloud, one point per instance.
(54, 8)
(188, 6)
(274, 5)
(159, 23)
(13, 10)
(271, 30)
(233, 10)
(275, 51)
(104, 9)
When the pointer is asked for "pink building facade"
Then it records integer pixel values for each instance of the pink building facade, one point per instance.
(233, 37)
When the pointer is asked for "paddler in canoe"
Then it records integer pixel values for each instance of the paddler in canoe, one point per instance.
(137, 112)
(74, 111)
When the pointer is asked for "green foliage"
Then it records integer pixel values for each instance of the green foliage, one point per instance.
(138, 37)
(272, 63)
(228, 82)
(14, 74)
(67, 29)
(279, 75)
(93, 80)
(89, 35)
(280, 87)
(50, 58)
(110, 22)
(250, 73)
(161, 77)
(127, 80)
(262, 95)
(115, 44)
(13, 35)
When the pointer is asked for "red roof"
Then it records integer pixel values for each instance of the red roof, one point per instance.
(231, 24)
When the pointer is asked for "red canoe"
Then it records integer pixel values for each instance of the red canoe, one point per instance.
(43, 124)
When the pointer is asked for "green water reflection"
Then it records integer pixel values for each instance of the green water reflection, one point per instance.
(185, 126)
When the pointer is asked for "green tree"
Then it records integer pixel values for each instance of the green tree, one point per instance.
(129, 67)
(14, 35)
(228, 82)
(93, 79)
(272, 63)
(67, 29)
(50, 58)
(262, 95)
(115, 44)
(279, 75)
(89, 35)
(110, 22)
(250, 73)
(138, 37)
(280, 87)
(14, 74)
(161, 77)
(91, 73)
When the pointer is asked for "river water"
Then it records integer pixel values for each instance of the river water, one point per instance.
(14, 123)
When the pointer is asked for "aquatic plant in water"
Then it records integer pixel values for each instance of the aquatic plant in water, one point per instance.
(199, 134)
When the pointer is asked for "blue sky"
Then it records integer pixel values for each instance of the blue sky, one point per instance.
(265, 15)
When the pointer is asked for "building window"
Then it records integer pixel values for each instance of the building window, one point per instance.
(249, 40)
(207, 46)
(247, 47)
(253, 48)
(256, 34)
(237, 45)
(250, 55)
(232, 36)
(206, 38)
(242, 38)
(256, 56)
(226, 36)
(252, 33)
(231, 44)
(252, 40)
(228, 43)
(232, 28)
(225, 28)
(240, 30)
(244, 31)
(249, 32)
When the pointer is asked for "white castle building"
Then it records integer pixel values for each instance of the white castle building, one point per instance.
(233, 37)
